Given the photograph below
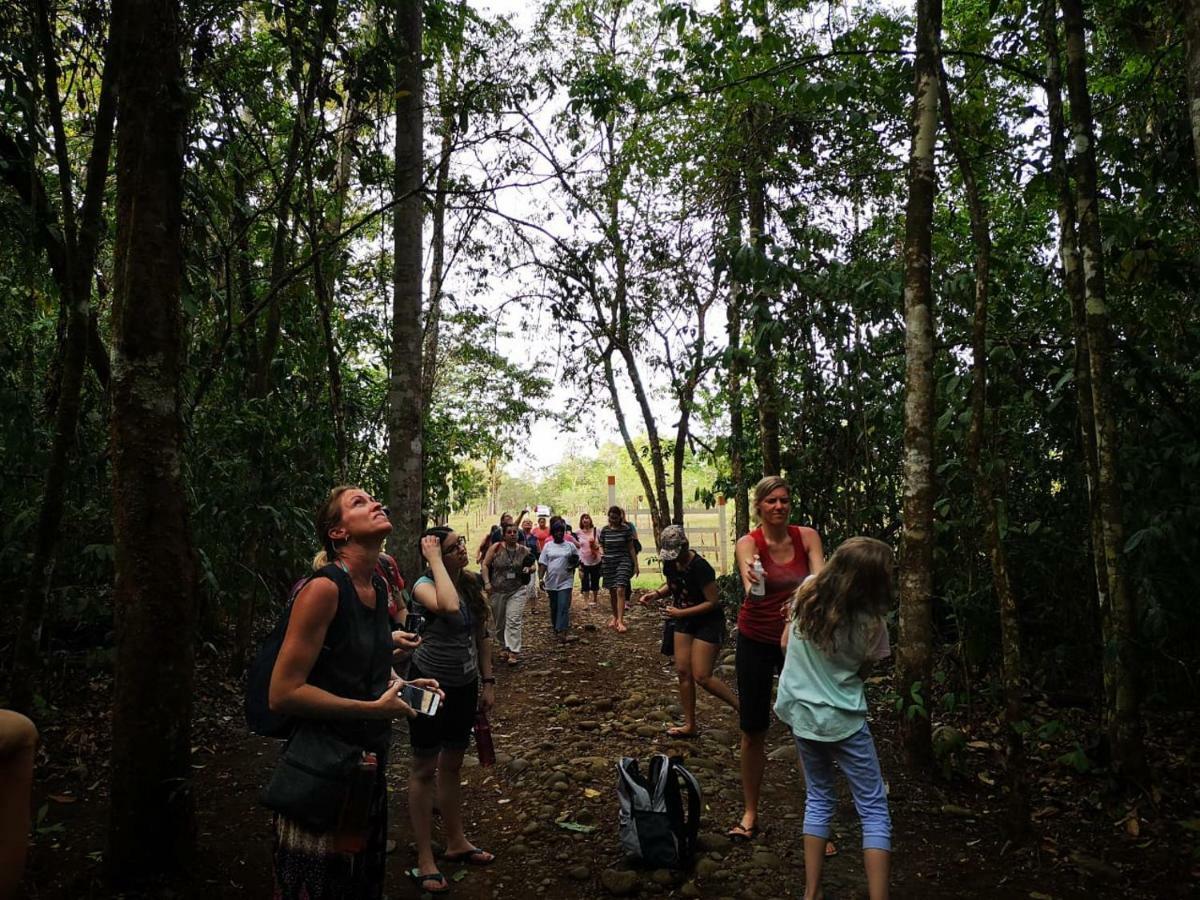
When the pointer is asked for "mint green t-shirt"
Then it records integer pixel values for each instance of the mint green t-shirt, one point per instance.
(821, 695)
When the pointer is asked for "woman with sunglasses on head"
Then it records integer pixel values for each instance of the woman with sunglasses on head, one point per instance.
(334, 674)
(456, 650)
(506, 569)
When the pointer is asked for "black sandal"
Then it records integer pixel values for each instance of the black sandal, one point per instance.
(443, 885)
(740, 834)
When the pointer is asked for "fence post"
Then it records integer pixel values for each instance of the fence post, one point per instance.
(722, 536)
(612, 490)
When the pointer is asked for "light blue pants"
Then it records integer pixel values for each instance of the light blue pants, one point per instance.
(857, 759)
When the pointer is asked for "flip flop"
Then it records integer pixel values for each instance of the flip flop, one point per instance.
(683, 734)
(739, 833)
(831, 850)
(473, 857)
(436, 877)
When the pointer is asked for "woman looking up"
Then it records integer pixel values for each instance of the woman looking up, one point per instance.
(505, 568)
(455, 649)
(334, 666)
(620, 564)
(788, 554)
(589, 559)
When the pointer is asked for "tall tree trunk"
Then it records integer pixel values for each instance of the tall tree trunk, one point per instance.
(761, 322)
(736, 367)
(405, 426)
(1072, 266)
(982, 474)
(152, 825)
(79, 244)
(1124, 726)
(914, 656)
(686, 398)
(1191, 14)
(437, 249)
(639, 466)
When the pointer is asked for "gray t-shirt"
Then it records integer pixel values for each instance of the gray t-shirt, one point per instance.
(560, 573)
(448, 651)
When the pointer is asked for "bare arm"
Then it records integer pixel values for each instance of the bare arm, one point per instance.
(442, 595)
(485, 569)
(744, 553)
(290, 693)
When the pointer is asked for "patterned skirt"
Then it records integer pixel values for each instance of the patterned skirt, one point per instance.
(617, 569)
(310, 866)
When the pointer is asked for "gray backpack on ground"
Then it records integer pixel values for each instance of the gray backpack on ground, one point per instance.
(654, 825)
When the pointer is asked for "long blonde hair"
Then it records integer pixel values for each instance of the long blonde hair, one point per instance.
(856, 581)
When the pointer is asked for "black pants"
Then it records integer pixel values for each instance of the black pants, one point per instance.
(590, 577)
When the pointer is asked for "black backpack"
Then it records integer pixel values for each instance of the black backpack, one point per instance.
(654, 826)
(259, 717)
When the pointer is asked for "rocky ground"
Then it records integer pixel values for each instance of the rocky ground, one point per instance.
(548, 808)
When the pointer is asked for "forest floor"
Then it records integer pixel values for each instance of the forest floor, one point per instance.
(562, 720)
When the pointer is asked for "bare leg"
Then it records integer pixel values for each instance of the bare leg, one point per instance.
(687, 687)
(449, 771)
(421, 785)
(814, 862)
(622, 594)
(754, 761)
(878, 864)
(613, 599)
(704, 656)
(18, 744)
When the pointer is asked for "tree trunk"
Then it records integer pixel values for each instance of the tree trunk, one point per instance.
(733, 328)
(982, 473)
(78, 253)
(1068, 248)
(437, 248)
(1191, 14)
(405, 477)
(610, 378)
(914, 656)
(761, 323)
(152, 825)
(1124, 726)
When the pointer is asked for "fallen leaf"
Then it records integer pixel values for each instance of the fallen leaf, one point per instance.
(986, 779)
(575, 826)
(591, 793)
(63, 798)
(979, 745)
(1132, 826)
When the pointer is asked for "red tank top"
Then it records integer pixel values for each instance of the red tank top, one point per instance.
(761, 618)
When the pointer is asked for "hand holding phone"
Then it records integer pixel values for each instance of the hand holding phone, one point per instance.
(424, 701)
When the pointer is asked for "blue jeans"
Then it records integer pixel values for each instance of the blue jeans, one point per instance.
(560, 609)
(857, 759)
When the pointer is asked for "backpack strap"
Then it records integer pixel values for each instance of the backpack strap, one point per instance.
(690, 830)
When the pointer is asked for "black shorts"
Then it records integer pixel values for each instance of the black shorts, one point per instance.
(451, 728)
(757, 665)
(709, 628)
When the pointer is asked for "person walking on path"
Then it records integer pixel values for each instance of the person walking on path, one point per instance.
(557, 563)
(589, 559)
(334, 671)
(836, 630)
(785, 555)
(494, 535)
(620, 564)
(542, 532)
(698, 623)
(456, 649)
(506, 569)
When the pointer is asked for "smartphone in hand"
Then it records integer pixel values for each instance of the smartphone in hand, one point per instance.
(424, 702)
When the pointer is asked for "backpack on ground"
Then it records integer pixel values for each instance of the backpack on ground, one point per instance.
(654, 825)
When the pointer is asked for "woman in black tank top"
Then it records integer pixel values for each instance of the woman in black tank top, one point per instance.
(335, 666)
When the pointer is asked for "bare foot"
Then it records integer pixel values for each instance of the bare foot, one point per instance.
(621, 629)
(683, 731)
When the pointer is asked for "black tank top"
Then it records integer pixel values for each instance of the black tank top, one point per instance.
(356, 660)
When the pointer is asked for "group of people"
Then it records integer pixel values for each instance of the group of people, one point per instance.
(511, 555)
(816, 624)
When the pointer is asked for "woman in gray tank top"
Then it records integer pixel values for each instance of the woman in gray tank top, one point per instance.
(456, 645)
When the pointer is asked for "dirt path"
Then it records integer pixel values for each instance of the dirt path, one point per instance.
(562, 720)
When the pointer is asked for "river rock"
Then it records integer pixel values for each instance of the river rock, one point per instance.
(662, 876)
(618, 882)
(706, 868)
(518, 765)
(689, 890)
(647, 731)
(713, 843)
(579, 873)
(765, 859)
(718, 736)
(573, 700)
(588, 725)
(787, 751)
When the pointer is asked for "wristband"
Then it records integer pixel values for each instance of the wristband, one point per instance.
(488, 679)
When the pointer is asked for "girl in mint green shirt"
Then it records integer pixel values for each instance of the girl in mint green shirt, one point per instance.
(836, 630)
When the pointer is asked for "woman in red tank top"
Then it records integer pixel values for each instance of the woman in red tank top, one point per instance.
(789, 554)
